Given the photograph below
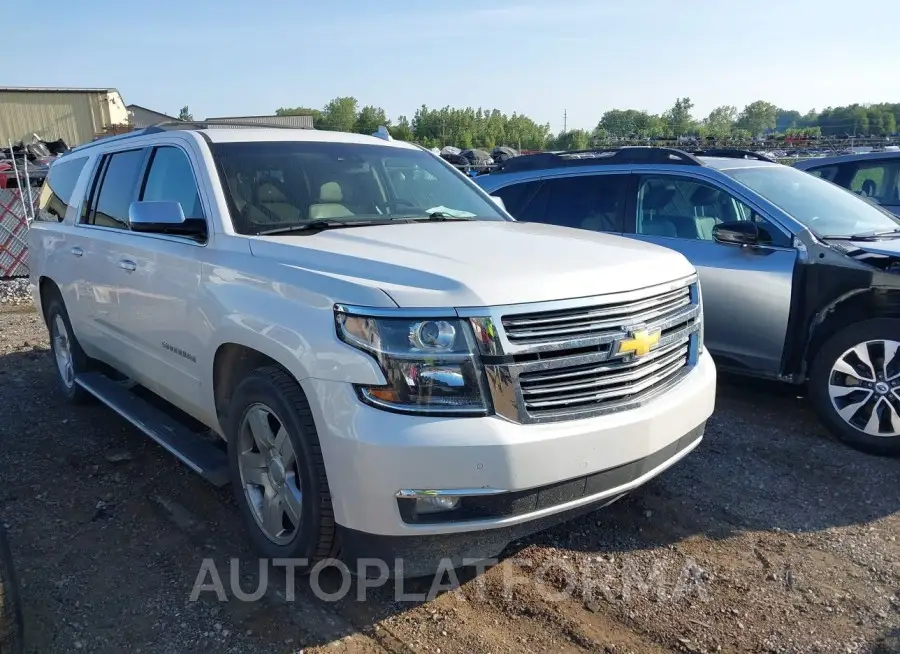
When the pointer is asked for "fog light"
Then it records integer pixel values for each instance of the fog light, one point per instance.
(436, 504)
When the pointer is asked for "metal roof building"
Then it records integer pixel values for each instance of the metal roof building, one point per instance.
(75, 115)
(304, 122)
(144, 117)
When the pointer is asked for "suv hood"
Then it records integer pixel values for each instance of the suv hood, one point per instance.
(478, 263)
(888, 246)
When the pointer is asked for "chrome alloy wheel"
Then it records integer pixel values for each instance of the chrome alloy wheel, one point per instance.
(864, 386)
(62, 351)
(269, 474)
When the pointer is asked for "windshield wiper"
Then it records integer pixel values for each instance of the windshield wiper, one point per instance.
(320, 225)
(444, 215)
(867, 236)
(439, 215)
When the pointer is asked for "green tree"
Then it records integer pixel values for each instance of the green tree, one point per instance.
(469, 127)
(185, 114)
(720, 121)
(481, 127)
(340, 114)
(618, 122)
(758, 117)
(650, 125)
(402, 131)
(630, 123)
(370, 119)
(786, 119)
(679, 120)
(803, 132)
(574, 139)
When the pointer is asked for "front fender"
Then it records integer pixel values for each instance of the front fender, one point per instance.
(285, 320)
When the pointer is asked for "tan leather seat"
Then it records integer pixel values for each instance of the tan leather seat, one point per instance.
(329, 204)
(274, 203)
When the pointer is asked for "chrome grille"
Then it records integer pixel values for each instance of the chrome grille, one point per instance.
(593, 321)
(561, 361)
(579, 387)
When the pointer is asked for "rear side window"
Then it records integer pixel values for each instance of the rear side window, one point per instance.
(876, 181)
(118, 187)
(171, 178)
(593, 202)
(56, 193)
(516, 196)
(827, 173)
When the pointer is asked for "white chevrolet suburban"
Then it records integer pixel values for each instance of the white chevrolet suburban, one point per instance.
(361, 341)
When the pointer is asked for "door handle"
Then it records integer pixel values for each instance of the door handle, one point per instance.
(77, 251)
(125, 264)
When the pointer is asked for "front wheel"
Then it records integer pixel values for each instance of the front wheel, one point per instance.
(855, 385)
(277, 469)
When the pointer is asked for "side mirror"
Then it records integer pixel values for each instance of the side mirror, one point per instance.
(741, 232)
(498, 201)
(163, 217)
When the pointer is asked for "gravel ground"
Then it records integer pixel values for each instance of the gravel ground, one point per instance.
(771, 537)
(14, 292)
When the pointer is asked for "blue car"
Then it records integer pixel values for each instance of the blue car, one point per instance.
(873, 175)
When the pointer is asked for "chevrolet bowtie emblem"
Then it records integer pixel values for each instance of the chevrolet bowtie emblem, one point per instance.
(640, 343)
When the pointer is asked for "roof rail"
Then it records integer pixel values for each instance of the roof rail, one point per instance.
(170, 125)
(206, 124)
(733, 153)
(634, 154)
(111, 138)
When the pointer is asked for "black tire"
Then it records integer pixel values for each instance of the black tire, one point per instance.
(315, 538)
(11, 631)
(58, 319)
(820, 375)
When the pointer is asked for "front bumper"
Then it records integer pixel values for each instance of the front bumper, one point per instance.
(421, 555)
(371, 455)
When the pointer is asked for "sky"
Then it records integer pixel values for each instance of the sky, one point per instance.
(546, 59)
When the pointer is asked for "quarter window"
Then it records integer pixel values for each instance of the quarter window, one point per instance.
(56, 194)
(171, 178)
(118, 188)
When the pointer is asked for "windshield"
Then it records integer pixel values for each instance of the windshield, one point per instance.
(825, 208)
(279, 184)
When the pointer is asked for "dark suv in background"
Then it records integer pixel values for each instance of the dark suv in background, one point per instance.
(800, 279)
(874, 175)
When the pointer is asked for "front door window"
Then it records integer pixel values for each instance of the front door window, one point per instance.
(681, 207)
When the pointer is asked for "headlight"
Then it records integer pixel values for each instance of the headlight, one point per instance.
(430, 364)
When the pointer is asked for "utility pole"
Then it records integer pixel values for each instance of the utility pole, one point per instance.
(565, 121)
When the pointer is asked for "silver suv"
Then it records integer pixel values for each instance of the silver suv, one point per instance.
(799, 277)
